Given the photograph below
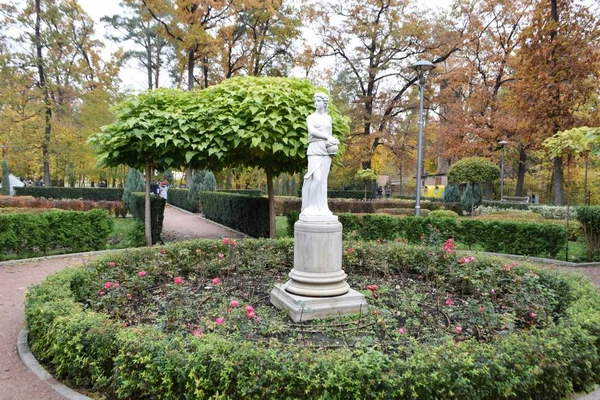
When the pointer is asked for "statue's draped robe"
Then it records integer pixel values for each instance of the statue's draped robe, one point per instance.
(314, 190)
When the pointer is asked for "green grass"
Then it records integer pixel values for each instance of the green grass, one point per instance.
(118, 238)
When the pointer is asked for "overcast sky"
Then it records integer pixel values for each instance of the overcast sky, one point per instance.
(136, 79)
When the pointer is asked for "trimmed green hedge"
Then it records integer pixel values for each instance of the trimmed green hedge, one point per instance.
(283, 205)
(95, 351)
(505, 205)
(157, 212)
(179, 198)
(247, 192)
(247, 214)
(55, 192)
(508, 237)
(67, 231)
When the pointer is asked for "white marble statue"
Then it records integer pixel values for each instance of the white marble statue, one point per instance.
(321, 147)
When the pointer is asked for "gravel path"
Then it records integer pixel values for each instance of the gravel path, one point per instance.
(16, 382)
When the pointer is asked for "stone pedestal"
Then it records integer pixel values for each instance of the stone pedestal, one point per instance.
(317, 287)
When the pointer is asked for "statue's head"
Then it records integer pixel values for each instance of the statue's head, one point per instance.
(323, 97)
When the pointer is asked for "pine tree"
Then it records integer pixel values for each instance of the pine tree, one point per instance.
(469, 192)
(451, 194)
(134, 183)
(201, 181)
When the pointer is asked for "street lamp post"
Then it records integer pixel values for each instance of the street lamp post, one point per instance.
(421, 67)
(503, 143)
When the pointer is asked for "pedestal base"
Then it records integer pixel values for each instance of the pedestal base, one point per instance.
(301, 308)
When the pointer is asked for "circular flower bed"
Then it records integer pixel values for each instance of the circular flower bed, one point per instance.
(193, 320)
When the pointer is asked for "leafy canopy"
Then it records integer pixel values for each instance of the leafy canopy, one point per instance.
(473, 169)
(248, 121)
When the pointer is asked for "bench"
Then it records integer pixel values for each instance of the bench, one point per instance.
(516, 199)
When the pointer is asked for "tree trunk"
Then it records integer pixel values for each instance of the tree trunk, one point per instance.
(272, 232)
(190, 60)
(585, 180)
(521, 172)
(559, 193)
(147, 218)
(472, 199)
(489, 190)
(42, 84)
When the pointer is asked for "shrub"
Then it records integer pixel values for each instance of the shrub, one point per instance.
(67, 231)
(111, 194)
(247, 192)
(443, 214)
(554, 212)
(157, 213)
(247, 214)
(451, 194)
(589, 218)
(201, 181)
(545, 356)
(134, 183)
(292, 217)
(471, 197)
(114, 208)
(505, 205)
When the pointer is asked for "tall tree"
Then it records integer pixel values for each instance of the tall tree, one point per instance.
(55, 50)
(376, 41)
(136, 25)
(557, 71)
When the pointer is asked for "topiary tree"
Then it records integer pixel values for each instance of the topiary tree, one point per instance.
(5, 179)
(473, 170)
(365, 176)
(133, 183)
(244, 121)
(451, 194)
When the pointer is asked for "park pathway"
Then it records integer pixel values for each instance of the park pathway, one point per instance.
(16, 382)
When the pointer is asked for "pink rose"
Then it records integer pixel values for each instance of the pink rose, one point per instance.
(372, 288)
(225, 240)
(532, 314)
(234, 303)
(178, 280)
(458, 330)
(249, 308)
(116, 285)
(250, 314)
(216, 281)
(112, 264)
(350, 250)
(492, 291)
(221, 255)
(219, 321)
(197, 332)
(198, 251)
(107, 285)
(481, 309)
(449, 302)
(402, 331)
(142, 274)
(163, 251)
(100, 293)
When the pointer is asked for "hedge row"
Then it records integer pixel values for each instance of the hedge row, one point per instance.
(179, 198)
(508, 237)
(589, 218)
(115, 208)
(247, 214)
(68, 231)
(55, 192)
(157, 212)
(505, 204)
(283, 205)
(92, 350)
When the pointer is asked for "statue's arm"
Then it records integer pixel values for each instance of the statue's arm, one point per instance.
(313, 131)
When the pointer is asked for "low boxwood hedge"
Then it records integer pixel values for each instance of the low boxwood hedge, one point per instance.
(508, 237)
(56, 192)
(35, 234)
(101, 353)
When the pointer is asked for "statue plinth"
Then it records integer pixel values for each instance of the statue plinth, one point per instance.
(317, 287)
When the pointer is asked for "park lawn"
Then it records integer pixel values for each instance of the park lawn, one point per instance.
(119, 237)
(281, 226)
